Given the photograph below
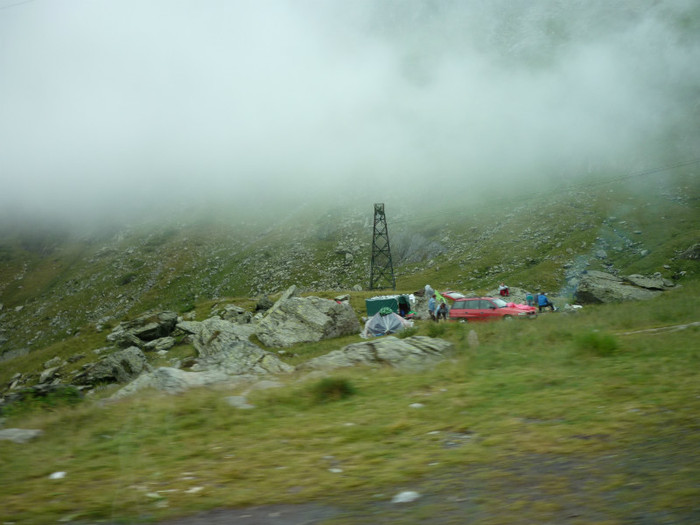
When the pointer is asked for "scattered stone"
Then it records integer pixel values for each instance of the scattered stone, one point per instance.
(406, 496)
(19, 435)
(692, 253)
(263, 304)
(239, 402)
(161, 344)
(265, 384)
(235, 314)
(11, 354)
(48, 374)
(53, 362)
(57, 475)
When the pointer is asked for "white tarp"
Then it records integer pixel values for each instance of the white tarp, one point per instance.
(380, 324)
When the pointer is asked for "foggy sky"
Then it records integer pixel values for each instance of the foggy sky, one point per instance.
(108, 104)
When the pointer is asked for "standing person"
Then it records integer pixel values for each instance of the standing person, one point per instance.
(431, 307)
(503, 290)
(442, 311)
(403, 306)
(544, 302)
(530, 299)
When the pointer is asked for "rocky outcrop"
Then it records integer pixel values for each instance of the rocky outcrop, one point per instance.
(223, 345)
(119, 367)
(214, 335)
(225, 356)
(146, 327)
(692, 253)
(655, 282)
(295, 320)
(410, 353)
(233, 313)
(600, 287)
(174, 381)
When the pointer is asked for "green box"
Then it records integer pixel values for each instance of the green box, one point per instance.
(375, 304)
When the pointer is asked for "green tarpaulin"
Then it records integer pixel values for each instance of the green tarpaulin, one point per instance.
(375, 304)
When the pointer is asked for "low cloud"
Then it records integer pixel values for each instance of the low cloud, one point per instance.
(109, 106)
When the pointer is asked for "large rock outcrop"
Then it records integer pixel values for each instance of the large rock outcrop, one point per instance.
(120, 367)
(215, 335)
(410, 353)
(224, 346)
(174, 381)
(147, 327)
(226, 356)
(295, 320)
(600, 287)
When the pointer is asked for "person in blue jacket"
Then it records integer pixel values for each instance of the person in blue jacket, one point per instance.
(544, 302)
(431, 307)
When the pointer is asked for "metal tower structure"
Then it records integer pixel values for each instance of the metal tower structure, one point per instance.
(381, 269)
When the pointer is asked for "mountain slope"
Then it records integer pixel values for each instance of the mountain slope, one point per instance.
(54, 282)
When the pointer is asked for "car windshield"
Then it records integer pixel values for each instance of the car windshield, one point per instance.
(499, 302)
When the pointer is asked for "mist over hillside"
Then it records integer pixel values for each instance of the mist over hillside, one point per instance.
(130, 110)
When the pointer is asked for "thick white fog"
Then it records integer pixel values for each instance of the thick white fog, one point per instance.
(113, 104)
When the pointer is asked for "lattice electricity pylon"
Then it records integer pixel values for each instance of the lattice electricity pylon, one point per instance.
(381, 273)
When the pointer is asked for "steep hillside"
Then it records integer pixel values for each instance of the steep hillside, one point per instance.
(55, 283)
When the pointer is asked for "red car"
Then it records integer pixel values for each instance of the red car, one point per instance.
(488, 309)
(454, 295)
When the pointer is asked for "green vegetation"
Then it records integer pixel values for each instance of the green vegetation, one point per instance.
(33, 402)
(332, 389)
(597, 343)
(575, 406)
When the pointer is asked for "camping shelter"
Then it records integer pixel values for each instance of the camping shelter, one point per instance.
(385, 322)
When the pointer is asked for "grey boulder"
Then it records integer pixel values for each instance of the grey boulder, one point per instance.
(600, 287)
(414, 352)
(120, 367)
(294, 320)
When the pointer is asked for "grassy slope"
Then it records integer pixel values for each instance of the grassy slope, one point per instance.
(532, 400)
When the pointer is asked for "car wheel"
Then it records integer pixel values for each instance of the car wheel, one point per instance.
(507, 317)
